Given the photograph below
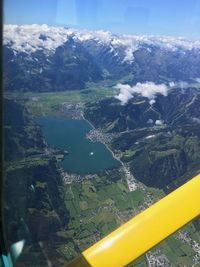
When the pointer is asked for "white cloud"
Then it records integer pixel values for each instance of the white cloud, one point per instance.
(181, 84)
(125, 93)
(196, 120)
(172, 84)
(150, 136)
(152, 101)
(158, 122)
(129, 54)
(197, 80)
(26, 38)
(147, 89)
(150, 121)
(30, 38)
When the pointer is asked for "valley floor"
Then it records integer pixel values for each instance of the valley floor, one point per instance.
(99, 203)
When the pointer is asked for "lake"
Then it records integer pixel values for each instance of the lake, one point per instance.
(84, 156)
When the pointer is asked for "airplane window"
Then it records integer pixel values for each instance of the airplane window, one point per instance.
(101, 119)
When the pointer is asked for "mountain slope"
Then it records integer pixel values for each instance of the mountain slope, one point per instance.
(70, 67)
(45, 58)
(159, 142)
(33, 202)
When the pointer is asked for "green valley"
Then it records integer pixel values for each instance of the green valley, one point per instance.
(75, 214)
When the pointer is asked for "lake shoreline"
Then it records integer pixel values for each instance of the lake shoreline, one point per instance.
(84, 156)
(114, 156)
(131, 181)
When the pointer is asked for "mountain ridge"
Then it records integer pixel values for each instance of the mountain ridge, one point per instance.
(33, 54)
(41, 35)
(160, 142)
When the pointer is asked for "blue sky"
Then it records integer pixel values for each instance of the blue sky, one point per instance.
(165, 17)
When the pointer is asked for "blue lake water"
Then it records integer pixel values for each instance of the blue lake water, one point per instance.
(84, 156)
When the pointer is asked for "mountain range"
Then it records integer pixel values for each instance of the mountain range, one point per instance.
(34, 53)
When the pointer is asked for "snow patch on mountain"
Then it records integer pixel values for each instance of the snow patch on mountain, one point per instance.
(30, 38)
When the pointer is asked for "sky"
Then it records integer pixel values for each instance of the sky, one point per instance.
(151, 17)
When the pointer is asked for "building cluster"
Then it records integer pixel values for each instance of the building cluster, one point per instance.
(187, 239)
(69, 178)
(73, 111)
(155, 260)
(96, 135)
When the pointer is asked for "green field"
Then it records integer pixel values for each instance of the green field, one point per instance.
(98, 205)
(50, 102)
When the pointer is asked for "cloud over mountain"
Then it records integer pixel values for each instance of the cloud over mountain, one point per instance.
(33, 54)
(147, 89)
(29, 38)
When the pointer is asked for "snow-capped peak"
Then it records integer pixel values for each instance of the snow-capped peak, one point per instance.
(30, 38)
